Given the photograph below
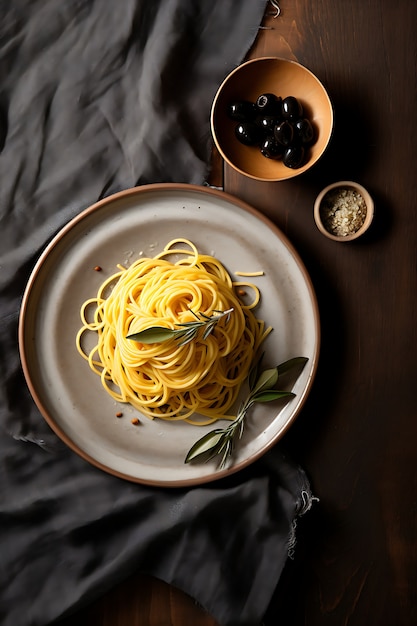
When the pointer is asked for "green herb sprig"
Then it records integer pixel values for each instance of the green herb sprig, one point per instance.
(187, 331)
(220, 442)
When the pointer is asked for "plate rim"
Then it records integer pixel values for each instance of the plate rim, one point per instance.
(55, 241)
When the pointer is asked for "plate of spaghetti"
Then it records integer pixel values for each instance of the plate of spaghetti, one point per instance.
(141, 322)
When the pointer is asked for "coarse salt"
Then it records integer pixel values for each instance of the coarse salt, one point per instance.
(343, 211)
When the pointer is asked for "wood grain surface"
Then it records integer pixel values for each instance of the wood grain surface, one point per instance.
(356, 559)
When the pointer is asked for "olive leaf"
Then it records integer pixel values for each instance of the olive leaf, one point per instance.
(155, 334)
(206, 443)
(291, 364)
(187, 331)
(269, 395)
(220, 441)
(266, 380)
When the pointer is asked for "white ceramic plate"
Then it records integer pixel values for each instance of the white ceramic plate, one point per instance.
(117, 230)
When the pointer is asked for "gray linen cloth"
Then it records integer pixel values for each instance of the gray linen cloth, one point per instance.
(96, 97)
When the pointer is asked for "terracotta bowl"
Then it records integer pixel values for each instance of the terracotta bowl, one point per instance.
(343, 211)
(282, 78)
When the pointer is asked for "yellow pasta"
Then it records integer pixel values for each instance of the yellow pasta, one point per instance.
(172, 379)
(259, 273)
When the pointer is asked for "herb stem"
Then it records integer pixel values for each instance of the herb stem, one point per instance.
(221, 441)
(187, 331)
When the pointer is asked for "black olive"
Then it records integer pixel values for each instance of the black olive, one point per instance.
(269, 104)
(304, 130)
(293, 156)
(242, 111)
(248, 133)
(271, 149)
(292, 109)
(267, 123)
(284, 133)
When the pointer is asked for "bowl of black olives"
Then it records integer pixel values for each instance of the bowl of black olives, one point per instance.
(271, 119)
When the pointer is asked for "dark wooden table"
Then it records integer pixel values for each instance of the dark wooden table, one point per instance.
(356, 559)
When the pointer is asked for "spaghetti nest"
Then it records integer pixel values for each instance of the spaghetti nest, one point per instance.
(172, 379)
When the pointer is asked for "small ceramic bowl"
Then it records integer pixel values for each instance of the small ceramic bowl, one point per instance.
(343, 211)
(282, 78)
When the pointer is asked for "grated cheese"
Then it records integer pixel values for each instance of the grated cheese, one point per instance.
(343, 211)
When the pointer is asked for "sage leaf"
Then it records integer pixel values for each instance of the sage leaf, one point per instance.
(205, 444)
(155, 334)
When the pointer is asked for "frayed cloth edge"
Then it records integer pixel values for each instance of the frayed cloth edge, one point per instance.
(307, 500)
